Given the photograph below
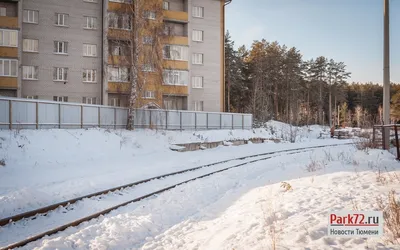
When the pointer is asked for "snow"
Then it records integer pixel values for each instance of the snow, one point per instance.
(48, 166)
(234, 209)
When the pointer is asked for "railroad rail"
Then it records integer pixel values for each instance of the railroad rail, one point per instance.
(47, 209)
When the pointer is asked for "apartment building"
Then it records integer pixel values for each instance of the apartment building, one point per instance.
(75, 51)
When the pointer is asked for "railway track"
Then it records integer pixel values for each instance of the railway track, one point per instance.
(68, 205)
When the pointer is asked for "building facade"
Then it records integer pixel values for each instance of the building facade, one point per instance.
(75, 51)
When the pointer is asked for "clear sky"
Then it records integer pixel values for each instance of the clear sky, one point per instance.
(344, 30)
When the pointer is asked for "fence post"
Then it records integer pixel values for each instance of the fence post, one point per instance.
(59, 115)
(10, 113)
(180, 118)
(150, 120)
(373, 136)
(397, 142)
(37, 115)
(232, 122)
(81, 116)
(220, 121)
(242, 122)
(166, 119)
(207, 121)
(383, 137)
(134, 115)
(115, 118)
(98, 116)
(195, 121)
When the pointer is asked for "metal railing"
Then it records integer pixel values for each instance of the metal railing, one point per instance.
(16, 113)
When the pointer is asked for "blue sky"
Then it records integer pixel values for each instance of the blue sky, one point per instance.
(344, 30)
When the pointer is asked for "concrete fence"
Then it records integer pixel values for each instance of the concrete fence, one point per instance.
(16, 113)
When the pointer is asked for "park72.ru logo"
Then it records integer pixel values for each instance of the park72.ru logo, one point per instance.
(356, 224)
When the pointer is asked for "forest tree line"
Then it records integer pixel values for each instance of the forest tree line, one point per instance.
(272, 81)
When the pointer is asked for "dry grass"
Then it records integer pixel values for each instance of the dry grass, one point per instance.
(286, 186)
(355, 205)
(364, 144)
(345, 158)
(381, 178)
(314, 166)
(272, 223)
(2, 163)
(391, 215)
(328, 156)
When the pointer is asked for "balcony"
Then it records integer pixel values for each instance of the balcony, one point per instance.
(119, 87)
(176, 16)
(180, 65)
(119, 60)
(9, 22)
(174, 90)
(8, 82)
(124, 7)
(8, 52)
(178, 40)
(119, 34)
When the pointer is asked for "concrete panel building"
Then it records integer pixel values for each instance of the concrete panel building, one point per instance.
(70, 51)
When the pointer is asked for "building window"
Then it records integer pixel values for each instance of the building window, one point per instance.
(198, 106)
(89, 100)
(8, 67)
(31, 16)
(60, 98)
(31, 97)
(147, 67)
(119, 21)
(166, 5)
(90, 22)
(197, 58)
(149, 14)
(197, 82)
(116, 74)
(60, 47)
(90, 50)
(147, 40)
(115, 102)
(168, 30)
(3, 11)
(117, 50)
(30, 45)
(62, 19)
(9, 38)
(60, 74)
(176, 77)
(30, 72)
(149, 95)
(176, 52)
(198, 35)
(198, 11)
(89, 75)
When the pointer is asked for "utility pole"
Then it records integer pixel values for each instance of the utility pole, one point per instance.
(386, 74)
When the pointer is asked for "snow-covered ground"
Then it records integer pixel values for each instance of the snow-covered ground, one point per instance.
(247, 208)
(235, 209)
(48, 166)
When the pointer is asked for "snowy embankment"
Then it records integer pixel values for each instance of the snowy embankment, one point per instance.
(281, 203)
(47, 166)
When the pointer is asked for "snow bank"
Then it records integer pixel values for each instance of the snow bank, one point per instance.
(292, 133)
(246, 208)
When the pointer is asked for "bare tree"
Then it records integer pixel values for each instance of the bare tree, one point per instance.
(358, 113)
(140, 40)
